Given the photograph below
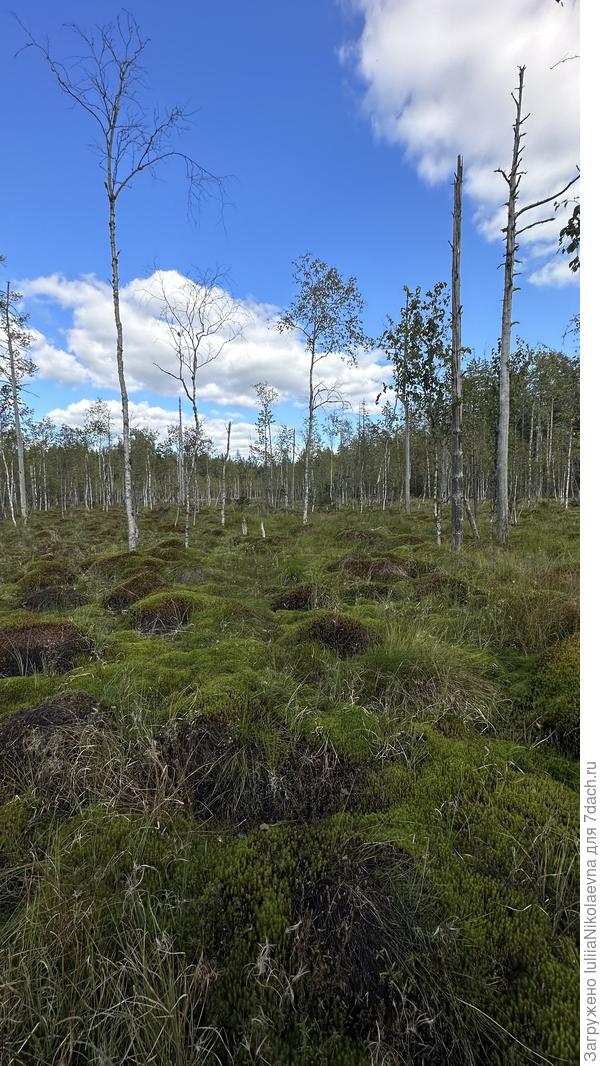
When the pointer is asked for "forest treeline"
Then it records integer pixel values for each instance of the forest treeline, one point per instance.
(357, 463)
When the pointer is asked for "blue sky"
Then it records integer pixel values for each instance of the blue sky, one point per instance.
(303, 135)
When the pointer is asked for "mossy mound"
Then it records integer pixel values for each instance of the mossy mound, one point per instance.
(171, 550)
(439, 584)
(556, 696)
(352, 931)
(235, 779)
(55, 597)
(51, 646)
(363, 566)
(42, 730)
(189, 574)
(133, 589)
(121, 565)
(163, 611)
(339, 633)
(301, 597)
(46, 574)
(367, 537)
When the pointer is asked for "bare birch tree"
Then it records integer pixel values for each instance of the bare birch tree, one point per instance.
(105, 80)
(202, 320)
(512, 231)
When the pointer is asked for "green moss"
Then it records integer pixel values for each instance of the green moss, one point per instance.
(164, 611)
(555, 703)
(17, 693)
(134, 588)
(46, 574)
(412, 892)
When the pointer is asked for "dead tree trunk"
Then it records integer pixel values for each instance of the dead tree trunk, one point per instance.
(457, 456)
(223, 475)
(513, 180)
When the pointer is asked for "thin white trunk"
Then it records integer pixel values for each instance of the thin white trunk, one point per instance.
(223, 475)
(457, 456)
(132, 533)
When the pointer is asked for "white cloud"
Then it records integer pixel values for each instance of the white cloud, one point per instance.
(54, 363)
(157, 419)
(554, 272)
(261, 354)
(437, 78)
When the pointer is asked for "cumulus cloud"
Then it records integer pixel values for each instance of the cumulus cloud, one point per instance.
(437, 78)
(554, 272)
(157, 419)
(260, 353)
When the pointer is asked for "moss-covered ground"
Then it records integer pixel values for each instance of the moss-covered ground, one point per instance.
(306, 799)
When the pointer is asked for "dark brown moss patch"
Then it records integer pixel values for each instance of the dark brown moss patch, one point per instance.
(133, 589)
(59, 597)
(229, 779)
(164, 611)
(53, 646)
(41, 730)
(364, 566)
(355, 920)
(300, 597)
(340, 633)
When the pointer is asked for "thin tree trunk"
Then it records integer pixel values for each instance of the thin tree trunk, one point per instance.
(568, 475)
(457, 456)
(530, 456)
(471, 520)
(132, 533)
(16, 412)
(513, 179)
(437, 503)
(309, 434)
(293, 468)
(223, 474)
(9, 489)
